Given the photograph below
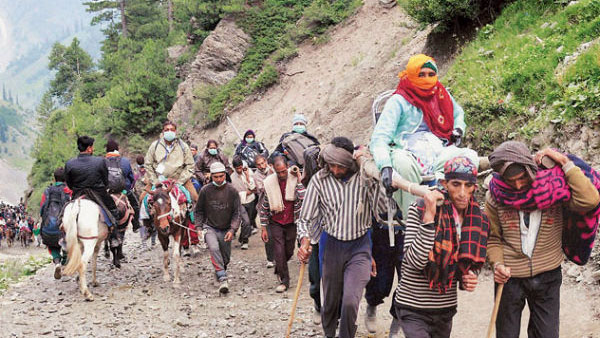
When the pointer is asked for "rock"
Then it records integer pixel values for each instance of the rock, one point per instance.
(387, 3)
(175, 52)
(573, 271)
(560, 49)
(216, 63)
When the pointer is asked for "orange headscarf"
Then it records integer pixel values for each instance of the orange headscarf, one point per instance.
(415, 63)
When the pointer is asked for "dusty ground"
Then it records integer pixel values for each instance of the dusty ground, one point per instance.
(135, 302)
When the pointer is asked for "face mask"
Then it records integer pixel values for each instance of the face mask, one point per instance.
(212, 151)
(218, 185)
(298, 128)
(169, 136)
(249, 139)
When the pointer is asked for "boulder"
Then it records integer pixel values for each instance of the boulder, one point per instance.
(216, 62)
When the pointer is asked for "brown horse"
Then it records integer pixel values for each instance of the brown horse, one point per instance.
(24, 237)
(166, 217)
(10, 236)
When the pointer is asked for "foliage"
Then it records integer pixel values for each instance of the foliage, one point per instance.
(72, 64)
(12, 271)
(446, 12)
(517, 68)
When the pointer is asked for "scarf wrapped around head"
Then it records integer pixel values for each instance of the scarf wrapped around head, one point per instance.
(427, 94)
(339, 156)
(513, 152)
(450, 258)
(548, 189)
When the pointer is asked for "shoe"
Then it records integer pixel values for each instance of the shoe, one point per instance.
(371, 319)
(395, 329)
(185, 252)
(254, 231)
(281, 288)
(244, 246)
(270, 265)
(224, 287)
(195, 250)
(57, 271)
(316, 317)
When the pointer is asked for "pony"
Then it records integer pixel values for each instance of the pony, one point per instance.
(85, 230)
(166, 217)
(24, 236)
(10, 236)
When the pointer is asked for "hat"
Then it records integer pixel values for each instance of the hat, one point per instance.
(299, 118)
(217, 167)
(460, 168)
(509, 153)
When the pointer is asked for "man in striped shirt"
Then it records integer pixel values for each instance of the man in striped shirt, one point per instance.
(342, 198)
(443, 245)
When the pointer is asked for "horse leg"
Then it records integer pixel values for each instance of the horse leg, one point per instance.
(88, 250)
(177, 258)
(102, 234)
(164, 243)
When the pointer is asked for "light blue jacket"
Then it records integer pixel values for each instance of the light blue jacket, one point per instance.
(399, 119)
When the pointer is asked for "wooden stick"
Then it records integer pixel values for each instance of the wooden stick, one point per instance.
(298, 287)
(495, 311)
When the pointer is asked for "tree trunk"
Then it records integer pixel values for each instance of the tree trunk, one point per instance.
(170, 14)
(123, 19)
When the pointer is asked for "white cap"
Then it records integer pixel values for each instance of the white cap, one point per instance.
(217, 167)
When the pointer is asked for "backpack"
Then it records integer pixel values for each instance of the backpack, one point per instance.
(295, 144)
(311, 163)
(57, 198)
(249, 154)
(116, 179)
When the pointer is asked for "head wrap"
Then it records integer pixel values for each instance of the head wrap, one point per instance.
(413, 68)
(513, 152)
(428, 95)
(339, 156)
(460, 168)
(299, 118)
(217, 167)
(249, 132)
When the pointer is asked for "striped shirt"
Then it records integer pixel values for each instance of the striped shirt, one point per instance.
(343, 206)
(413, 288)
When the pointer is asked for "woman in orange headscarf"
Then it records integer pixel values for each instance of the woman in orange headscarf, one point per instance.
(419, 128)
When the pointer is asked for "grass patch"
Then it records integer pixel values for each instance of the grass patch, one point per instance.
(512, 71)
(12, 271)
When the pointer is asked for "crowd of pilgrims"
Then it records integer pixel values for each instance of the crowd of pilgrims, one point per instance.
(16, 218)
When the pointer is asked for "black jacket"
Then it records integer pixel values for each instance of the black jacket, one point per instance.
(86, 172)
(248, 152)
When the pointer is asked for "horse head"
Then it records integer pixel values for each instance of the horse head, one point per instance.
(161, 210)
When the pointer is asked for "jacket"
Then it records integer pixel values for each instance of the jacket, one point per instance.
(177, 162)
(257, 147)
(206, 159)
(504, 243)
(399, 119)
(86, 172)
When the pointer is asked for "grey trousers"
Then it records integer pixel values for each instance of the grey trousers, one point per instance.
(220, 251)
(346, 272)
(423, 324)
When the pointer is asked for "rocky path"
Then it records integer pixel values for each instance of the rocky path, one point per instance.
(135, 302)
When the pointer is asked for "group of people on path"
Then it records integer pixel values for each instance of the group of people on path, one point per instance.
(16, 218)
(316, 197)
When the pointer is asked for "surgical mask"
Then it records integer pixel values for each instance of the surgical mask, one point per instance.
(219, 185)
(169, 135)
(213, 151)
(249, 139)
(299, 128)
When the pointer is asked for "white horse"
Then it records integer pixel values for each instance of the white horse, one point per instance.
(85, 231)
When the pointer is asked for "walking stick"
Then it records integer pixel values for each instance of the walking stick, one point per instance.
(298, 288)
(495, 311)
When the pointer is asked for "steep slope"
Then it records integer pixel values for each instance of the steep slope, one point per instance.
(334, 83)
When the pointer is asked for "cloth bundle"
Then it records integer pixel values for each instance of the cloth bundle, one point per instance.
(273, 191)
(548, 189)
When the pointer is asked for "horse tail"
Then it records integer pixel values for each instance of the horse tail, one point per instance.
(73, 247)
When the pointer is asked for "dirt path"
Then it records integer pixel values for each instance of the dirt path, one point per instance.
(135, 302)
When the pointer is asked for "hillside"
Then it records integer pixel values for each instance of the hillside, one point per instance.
(333, 83)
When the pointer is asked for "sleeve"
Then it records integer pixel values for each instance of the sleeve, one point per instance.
(236, 217)
(382, 205)
(264, 151)
(265, 213)
(188, 164)
(199, 212)
(129, 174)
(300, 192)
(309, 210)
(43, 201)
(68, 178)
(584, 195)
(384, 132)
(251, 181)
(495, 254)
(459, 116)
(418, 240)
(104, 172)
(150, 163)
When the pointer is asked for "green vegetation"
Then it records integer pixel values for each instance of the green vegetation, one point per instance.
(12, 271)
(520, 70)
(451, 12)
